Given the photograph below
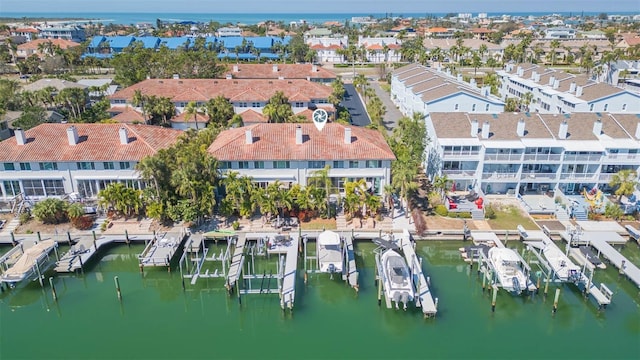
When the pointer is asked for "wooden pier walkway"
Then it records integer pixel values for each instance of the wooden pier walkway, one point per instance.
(619, 261)
(424, 298)
(351, 272)
(237, 261)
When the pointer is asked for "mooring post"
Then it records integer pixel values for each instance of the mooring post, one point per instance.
(555, 301)
(126, 237)
(379, 290)
(53, 289)
(621, 270)
(484, 280)
(13, 239)
(538, 282)
(546, 284)
(39, 274)
(93, 232)
(39, 237)
(493, 300)
(81, 265)
(588, 287)
(117, 282)
(69, 238)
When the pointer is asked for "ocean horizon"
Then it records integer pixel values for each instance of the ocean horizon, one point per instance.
(250, 18)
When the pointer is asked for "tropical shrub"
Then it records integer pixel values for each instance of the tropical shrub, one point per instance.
(441, 210)
(51, 211)
(83, 222)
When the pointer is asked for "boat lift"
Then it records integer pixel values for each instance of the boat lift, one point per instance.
(480, 255)
(33, 265)
(538, 241)
(196, 254)
(349, 269)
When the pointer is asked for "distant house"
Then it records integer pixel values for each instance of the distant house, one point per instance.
(58, 84)
(71, 33)
(327, 48)
(229, 31)
(309, 72)
(28, 33)
(43, 47)
(559, 33)
(381, 49)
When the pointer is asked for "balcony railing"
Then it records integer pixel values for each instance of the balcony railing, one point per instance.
(592, 157)
(502, 157)
(499, 175)
(538, 176)
(542, 157)
(623, 157)
(460, 154)
(459, 173)
(574, 176)
(605, 177)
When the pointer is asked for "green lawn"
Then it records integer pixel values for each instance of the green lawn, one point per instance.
(319, 224)
(508, 218)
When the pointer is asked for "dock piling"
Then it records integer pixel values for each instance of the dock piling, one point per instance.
(93, 232)
(13, 239)
(69, 238)
(555, 301)
(117, 282)
(546, 284)
(484, 280)
(39, 236)
(493, 300)
(53, 289)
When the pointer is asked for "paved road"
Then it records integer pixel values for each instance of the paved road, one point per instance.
(392, 115)
(353, 103)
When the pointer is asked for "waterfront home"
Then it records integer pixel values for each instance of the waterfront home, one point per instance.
(515, 153)
(60, 159)
(381, 49)
(43, 47)
(292, 153)
(309, 72)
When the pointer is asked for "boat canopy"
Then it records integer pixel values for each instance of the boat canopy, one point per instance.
(328, 237)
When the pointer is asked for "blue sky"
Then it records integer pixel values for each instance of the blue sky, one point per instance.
(316, 6)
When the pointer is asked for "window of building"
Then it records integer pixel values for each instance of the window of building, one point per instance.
(473, 107)
(25, 166)
(624, 107)
(86, 165)
(53, 187)
(353, 164)
(11, 188)
(48, 166)
(298, 104)
(242, 104)
(315, 164)
(9, 166)
(281, 165)
(486, 107)
(258, 164)
(108, 165)
(455, 107)
(256, 104)
(606, 107)
(225, 165)
(338, 164)
(374, 164)
(33, 187)
(87, 188)
(591, 107)
(125, 165)
(243, 164)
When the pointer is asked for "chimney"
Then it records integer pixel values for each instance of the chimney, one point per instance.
(552, 79)
(314, 68)
(638, 131)
(229, 76)
(597, 127)
(485, 130)
(72, 135)
(347, 135)
(564, 128)
(520, 128)
(21, 139)
(124, 137)
(572, 87)
(533, 75)
(298, 134)
(474, 128)
(235, 68)
(248, 137)
(176, 76)
(459, 77)
(578, 91)
(556, 84)
(537, 78)
(472, 82)
(275, 68)
(520, 71)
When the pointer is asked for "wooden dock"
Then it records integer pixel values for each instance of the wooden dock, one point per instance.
(350, 271)
(619, 261)
(424, 298)
(633, 233)
(160, 251)
(236, 261)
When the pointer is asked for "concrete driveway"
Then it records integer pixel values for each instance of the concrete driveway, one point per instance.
(353, 103)
(390, 119)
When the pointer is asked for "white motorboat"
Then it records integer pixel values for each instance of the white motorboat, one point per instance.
(564, 269)
(27, 265)
(397, 279)
(329, 252)
(509, 271)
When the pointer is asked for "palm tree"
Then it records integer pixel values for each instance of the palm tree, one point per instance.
(139, 100)
(192, 111)
(554, 44)
(320, 179)
(625, 181)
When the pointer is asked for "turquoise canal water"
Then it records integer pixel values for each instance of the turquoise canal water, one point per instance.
(157, 319)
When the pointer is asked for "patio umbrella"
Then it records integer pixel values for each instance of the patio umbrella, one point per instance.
(453, 187)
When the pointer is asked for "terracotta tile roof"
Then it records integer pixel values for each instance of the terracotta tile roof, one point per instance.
(97, 142)
(278, 142)
(236, 90)
(481, 31)
(374, 47)
(26, 30)
(188, 118)
(251, 116)
(62, 43)
(127, 115)
(326, 47)
(437, 30)
(286, 71)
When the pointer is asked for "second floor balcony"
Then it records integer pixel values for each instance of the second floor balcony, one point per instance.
(538, 176)
(542, 157)
(457, 174)
(583, 157)
(502, 157)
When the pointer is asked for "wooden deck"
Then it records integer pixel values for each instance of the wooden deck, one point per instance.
(237, 260)
(424, 296)
(351, 271)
